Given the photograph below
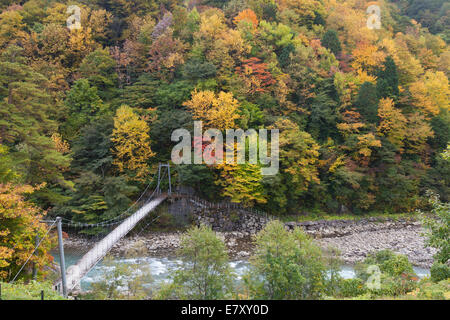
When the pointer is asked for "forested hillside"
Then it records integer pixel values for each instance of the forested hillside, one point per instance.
(431, 14)
(87, 113)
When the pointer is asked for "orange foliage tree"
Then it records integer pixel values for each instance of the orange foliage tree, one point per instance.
(19, 225)
(255, 74)
(248, 16)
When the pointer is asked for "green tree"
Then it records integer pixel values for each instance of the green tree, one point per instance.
(205, 274)
(286, 265)
(91, 149)
(387, 80)
(83, 105)
(95, 199)
(331, 41)
(26, 125)
(367, 102)
(100, 69)
(437, 226)
(387, 273)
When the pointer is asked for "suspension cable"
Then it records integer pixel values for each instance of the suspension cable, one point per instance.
(112, 221)
(40, 241)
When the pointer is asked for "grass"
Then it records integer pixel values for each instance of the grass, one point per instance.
(29, 291)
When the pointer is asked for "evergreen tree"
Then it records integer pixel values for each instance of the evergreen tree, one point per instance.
(26, 125)
(331, 41)
(387, 81)
(367, 102)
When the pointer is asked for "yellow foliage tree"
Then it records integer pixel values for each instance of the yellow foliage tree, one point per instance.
(393, 122)
(242, 183)
(216, 111)
(299, 154)
(409, 67)
(431, 93)
(365, 143)
(11, 27)
(366, 57)
(417, 132)
(131, 143)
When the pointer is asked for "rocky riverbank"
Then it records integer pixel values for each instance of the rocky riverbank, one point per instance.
(354, 239)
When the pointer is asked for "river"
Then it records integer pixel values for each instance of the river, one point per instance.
(160, 268)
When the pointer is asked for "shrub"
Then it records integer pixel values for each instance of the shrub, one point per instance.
(395, 286)
(389, 263)
(351, 288)
(438, 231)
(286, 265)
(435, 291)
(205, 273)
(392, 271)
(439, 271)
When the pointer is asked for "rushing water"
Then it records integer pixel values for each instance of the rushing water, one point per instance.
(160, 268)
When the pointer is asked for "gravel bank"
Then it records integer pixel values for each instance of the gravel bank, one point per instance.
(354, 239)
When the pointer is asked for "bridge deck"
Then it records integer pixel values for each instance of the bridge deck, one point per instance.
(92, 257)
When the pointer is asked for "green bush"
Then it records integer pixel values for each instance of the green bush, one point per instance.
(395, 273)
(397, 266)
(205, 274)
(389, 263)
(351, 288)
(395, 286)
(286, 265)
(435, 291)
(439, 271)
(438, 227)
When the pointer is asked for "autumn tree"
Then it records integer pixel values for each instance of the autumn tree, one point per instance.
(418, 131)
(255, 75)
(247, 16)
(392, 122)
(131, 143)
(20, 223)
(11, 27)
(431, 93)
(242, 183)
(165, 54)
(367, 58)
(215, 110)
(298, 154)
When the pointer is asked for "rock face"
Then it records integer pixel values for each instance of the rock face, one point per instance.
(229, 220)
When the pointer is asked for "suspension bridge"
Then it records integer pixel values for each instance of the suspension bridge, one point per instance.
(121, 225)
(71, 279)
